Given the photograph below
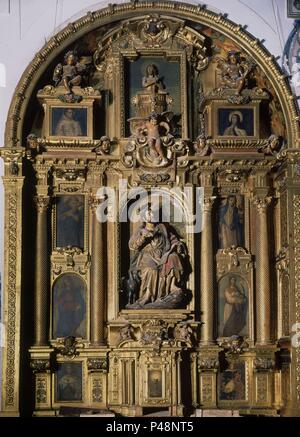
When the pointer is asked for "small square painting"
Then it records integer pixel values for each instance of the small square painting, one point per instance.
(236, 122)
(68, 122)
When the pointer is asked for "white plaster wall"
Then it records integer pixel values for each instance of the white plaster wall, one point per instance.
(25, 25)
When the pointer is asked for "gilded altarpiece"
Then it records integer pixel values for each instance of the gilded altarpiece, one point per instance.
(127, 308)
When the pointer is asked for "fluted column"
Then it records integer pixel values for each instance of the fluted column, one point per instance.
(207, 278)
(97, 278)
(41, 272)
(263, 328)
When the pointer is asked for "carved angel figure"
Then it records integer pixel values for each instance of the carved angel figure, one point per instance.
(103, 148)
(234, 71)
(152, 138)
(70, 73)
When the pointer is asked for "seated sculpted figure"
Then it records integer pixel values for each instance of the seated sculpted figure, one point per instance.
(70, 73)
(234, 72)
(157, 263)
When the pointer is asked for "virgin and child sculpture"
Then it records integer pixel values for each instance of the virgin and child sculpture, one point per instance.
(158, 266)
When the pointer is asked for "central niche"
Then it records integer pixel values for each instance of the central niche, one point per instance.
(157, 262)
(147, 77)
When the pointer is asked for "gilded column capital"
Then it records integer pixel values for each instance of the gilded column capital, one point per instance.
(207, 203)
(262, 203)
(41, 203)
(94, 202)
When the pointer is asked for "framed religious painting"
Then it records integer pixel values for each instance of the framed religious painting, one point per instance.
(233, 306)
(68, 383)
(231, 221)
(233, 384)
(69, 307)
(225, 121)
(293, 9)
(69, 219)
(69, 122)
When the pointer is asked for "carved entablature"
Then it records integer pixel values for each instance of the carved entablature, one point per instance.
(264, 364)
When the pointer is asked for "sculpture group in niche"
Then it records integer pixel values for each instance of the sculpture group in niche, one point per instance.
(158, 265)
(153, 128)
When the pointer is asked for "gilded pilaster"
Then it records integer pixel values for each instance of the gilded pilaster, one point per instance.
(13, 186)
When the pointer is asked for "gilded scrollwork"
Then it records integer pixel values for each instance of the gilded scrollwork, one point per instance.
(234, 346)
(184, 332)
(68, 347)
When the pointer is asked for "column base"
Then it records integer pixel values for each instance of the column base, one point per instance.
(9, 414)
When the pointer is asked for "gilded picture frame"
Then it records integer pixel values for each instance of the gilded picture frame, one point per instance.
(233, 384)
(66, 383)
(79, 127)
(225, 121)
